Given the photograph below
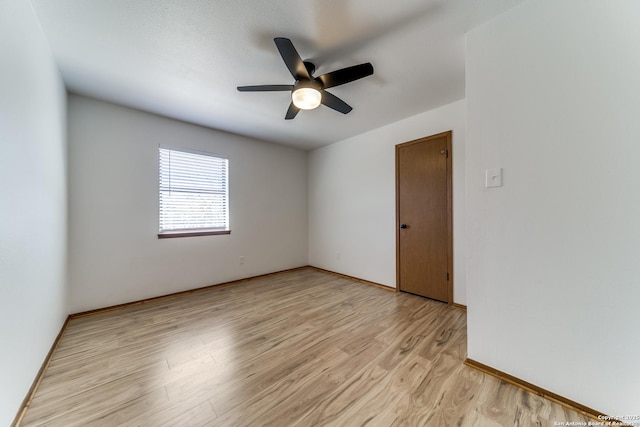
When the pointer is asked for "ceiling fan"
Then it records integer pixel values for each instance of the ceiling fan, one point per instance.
(309, 92)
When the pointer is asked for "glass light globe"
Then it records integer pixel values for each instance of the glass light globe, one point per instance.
(306, 98)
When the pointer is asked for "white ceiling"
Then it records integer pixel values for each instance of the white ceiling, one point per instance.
(184, 58)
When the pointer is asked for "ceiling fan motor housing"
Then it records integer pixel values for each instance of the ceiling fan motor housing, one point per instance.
(312, 84)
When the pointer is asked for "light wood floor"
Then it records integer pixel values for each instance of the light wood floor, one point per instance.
(302, 348)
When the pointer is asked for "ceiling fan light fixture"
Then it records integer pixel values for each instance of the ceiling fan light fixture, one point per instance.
(308, 92)
(306, 98)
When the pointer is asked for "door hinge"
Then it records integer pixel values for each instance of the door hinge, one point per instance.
(445, 152)
(447, 276)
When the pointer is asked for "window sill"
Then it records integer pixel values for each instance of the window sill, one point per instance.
(187, 233)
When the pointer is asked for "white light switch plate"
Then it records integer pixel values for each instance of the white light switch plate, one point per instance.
(493, 178)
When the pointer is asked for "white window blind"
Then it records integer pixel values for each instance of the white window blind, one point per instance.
(193, 191)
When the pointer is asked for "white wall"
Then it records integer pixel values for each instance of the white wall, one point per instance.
(553, 97)
(352, 204)
(33, 200)
(116, 256)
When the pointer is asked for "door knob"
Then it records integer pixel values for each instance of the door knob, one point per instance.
(403, 225)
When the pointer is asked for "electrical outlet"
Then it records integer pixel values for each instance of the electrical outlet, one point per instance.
(241, 260)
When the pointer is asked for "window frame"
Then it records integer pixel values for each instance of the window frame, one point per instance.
(192, 232)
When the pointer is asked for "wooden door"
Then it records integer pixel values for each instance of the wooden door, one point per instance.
(424, 217)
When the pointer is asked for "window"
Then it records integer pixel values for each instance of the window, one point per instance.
(194, 197)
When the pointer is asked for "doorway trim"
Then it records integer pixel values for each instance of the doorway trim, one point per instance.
(448, 135)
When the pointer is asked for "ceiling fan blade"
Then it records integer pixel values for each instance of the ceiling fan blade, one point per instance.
(264, 88)
(291, 112)
(291, 58)
(332, 101)
(345, 75)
